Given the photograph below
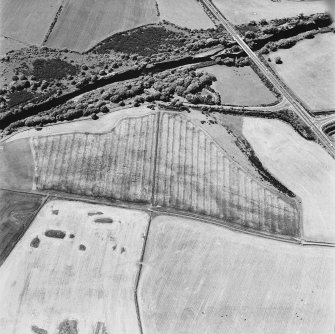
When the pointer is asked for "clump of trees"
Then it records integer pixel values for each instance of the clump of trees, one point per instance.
(50, 69)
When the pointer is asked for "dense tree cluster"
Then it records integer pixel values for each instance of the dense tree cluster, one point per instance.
(50, 69)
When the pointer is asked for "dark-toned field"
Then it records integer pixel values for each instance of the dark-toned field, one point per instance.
(181, 168)
(16, 212)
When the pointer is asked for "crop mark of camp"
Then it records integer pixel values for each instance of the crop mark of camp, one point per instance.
(192, 172)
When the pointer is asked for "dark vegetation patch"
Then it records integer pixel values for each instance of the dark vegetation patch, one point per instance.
(38, 330)
(104, 220)
(68, 327)
(55, 212)
(49, 69)
(82, 247)
(16, 212)
(95, 213)
(71, 236)
(58, 234)
(18, 97)
(35, 242)
(123, 250)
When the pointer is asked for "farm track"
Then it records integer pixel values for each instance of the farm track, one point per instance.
(166, 160)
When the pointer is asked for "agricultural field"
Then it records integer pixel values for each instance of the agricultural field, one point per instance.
(27, 21)
(200, 278)
(16, 212)
(16, 165)
(84, 23)
(303, 166)
(183, 168)
(244, 11)
(179, 13)
(73, 267)
(251, 90)
(309, 70)
(7, 44)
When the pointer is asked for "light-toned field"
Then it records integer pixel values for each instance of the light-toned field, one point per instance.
(200, 278)
(27, 21)
(183, 168)
(84, 23)
(301, 165)
(7, 44)
(243, 11)
(251, 90)
(16, 212)
(16, 165)
(309, 70)
(56, 281)
(186, 13)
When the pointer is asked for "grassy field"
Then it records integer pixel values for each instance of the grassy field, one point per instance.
(16, 165)
(84, 23)
(7, 44)
(178, 12)
(191, 173)
(90, 284)
(251, 90)
(244, 11)
(199, 278)
(16, 210)
(309, 70)
(27, 21)
(301, 165)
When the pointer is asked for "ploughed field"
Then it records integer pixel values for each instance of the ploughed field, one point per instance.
(200, 278)
(16, 212)
(166, 160)
(76, 266)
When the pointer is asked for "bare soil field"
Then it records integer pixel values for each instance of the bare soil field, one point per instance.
(118, 164)
(87, 278)
(309, 70)
(183, 168)
(84, 23)
(303, 166)
(251, 90)
(200, 278)
(244, 11)
(178, 12)
(16, 211)
(27, 21)
(16, 165)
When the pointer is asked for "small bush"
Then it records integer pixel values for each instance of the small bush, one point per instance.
(278, 60)
(35, 242)
(55, 234)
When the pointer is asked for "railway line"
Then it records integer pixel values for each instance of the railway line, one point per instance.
(321, 137)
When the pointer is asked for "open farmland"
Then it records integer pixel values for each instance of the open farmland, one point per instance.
(7, 44)
(84, 23)
(88, 277)
(16, 165)
(178, 12)
(303, 166)
(244, 11)
(183, 168)
(16, 211)
(309, 70)
(251, 90)
(200, 278)
(27, 21)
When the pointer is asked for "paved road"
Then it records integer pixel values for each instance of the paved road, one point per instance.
(297, 107)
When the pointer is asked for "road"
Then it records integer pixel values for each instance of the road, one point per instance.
(296, 106)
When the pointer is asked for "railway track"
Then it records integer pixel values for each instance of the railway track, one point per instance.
(321, 137)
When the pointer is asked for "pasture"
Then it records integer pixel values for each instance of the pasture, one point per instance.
(251, 90)
(302, 165)
(200, 278)
(179, 13)
(244, 11)
(182, 167)
(87, 278)
(309, 70)
(16, 211)
(27, 21)
(84, 23)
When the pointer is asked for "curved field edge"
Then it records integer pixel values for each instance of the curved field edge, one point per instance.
(199, 278)
(88, 276)
(17, 210)
(166, 160)
(303, 166)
